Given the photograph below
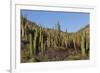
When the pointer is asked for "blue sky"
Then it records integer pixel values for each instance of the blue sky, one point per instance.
(72, 21)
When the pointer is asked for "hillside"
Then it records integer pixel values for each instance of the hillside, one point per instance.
(40, 44)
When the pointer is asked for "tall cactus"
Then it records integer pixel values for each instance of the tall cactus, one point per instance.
(35, 41)
(74, 41)
(30, 45)
(48, 40)
(82, 46)
(55, 39)
(41, 46)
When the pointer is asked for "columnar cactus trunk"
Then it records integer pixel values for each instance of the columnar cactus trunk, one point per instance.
(30, 44)
(35, 41)
(41, 46)
(82, 46)
(48, 40)
(74, 42)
